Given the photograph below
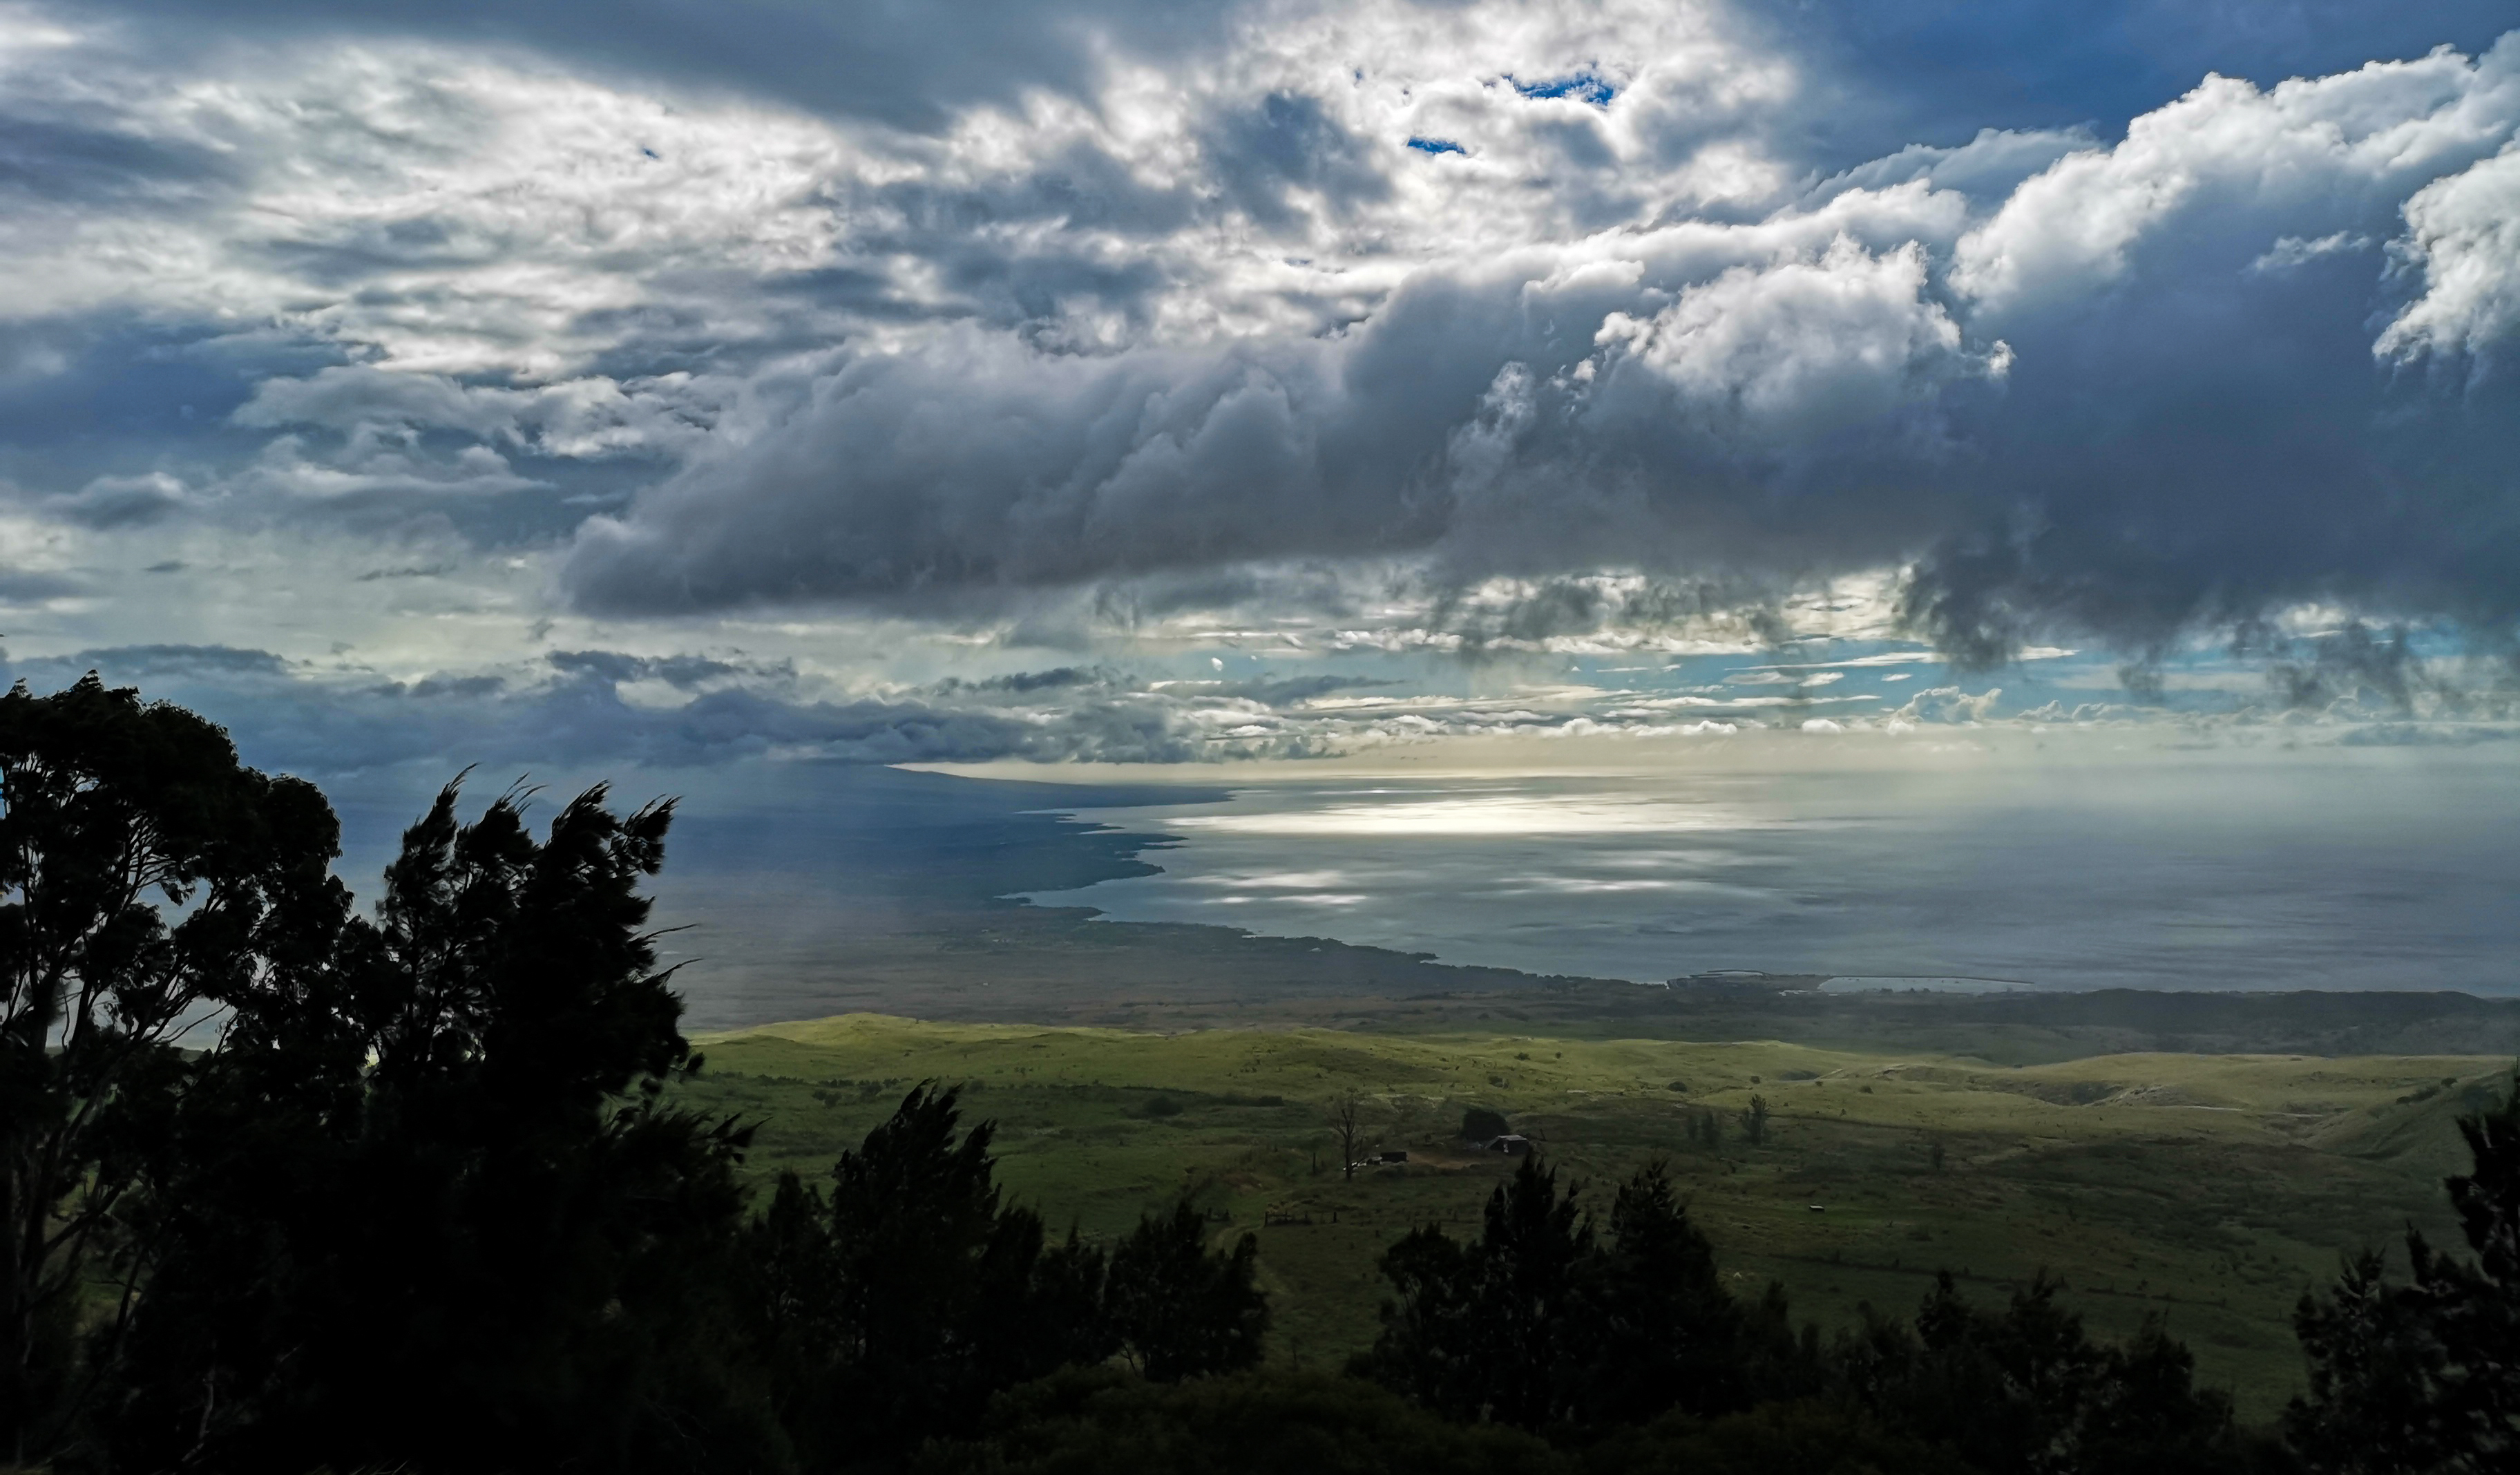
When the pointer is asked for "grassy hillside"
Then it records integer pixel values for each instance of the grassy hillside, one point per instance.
(2209, 1188)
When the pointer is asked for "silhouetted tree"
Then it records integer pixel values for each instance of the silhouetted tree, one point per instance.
(424, 1206)
(2425, 1376)
(900, 1303)
(1754, 1121)
(2375, 1365)
(1177, 1311)
(1481, 1124)
(1807, 1437)
(1483, 1331)
(1541, 1324)
(2026, 1389)
(1662, 1332)
(890, 1312)
(423, 1203)
(1346, 1113)
(1101, 1421)
(147, 878)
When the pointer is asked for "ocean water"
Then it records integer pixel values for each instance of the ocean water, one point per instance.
(2329, 868)
(776, 876)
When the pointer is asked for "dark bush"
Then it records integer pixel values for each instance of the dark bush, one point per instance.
(1098, 1421)
(1542, 1324)
(1175, 1310)
(1800, 1438)
(2025, 1390)
(2425, 1375)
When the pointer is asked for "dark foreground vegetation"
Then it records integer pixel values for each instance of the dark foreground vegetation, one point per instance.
(285, 1188)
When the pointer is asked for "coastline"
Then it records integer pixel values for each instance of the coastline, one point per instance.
(897, 894)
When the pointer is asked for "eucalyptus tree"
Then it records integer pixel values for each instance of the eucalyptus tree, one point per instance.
(435, 1211)
(1177, 1309)
(2422, 1376)
(148, 883)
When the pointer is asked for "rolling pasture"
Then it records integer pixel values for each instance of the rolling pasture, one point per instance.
(2209, 1190)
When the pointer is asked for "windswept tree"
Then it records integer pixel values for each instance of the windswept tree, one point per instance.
(1664, 1331)
(1177, 1311)
(2025, 1390)
(424, 1206)
(1543, 1323)
(895, 1306)
(147, 880)
(1490, 1330)
(413, 1194)
(2425, 1375)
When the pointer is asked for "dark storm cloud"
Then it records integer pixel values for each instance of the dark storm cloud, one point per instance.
(987, 465)
(1458, 421)
(163, 663)
(28, 586)
(1547, 608)
(2136, 392)
(2395, 671)
(1880, 77)
(1452, 423)
(2216, 435)
(1023, 683)
(682, 671)
(59, 162)
(2344, 665)
(906, 65)
(1286, 142)
(110, 393)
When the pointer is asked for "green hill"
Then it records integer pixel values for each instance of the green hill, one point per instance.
(2213, 1188)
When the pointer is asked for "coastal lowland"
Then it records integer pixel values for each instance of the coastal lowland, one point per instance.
(2213, 1189)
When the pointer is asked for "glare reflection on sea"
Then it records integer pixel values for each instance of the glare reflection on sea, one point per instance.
(2267, 868)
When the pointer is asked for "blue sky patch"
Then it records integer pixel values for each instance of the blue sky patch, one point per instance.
(1582, 86)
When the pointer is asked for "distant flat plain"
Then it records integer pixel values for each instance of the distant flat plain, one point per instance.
(2209, 1190)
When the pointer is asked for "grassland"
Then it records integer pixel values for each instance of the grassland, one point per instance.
(2210, 1189)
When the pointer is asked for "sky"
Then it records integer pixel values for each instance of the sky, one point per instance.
(576, 386)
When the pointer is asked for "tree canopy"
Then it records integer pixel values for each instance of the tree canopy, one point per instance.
(2425, 1375)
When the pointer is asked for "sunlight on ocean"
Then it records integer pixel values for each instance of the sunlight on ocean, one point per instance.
(2160, 867)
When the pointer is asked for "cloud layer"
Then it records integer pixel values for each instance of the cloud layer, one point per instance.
(460, 340)
(597, 711)
(2138, 389)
